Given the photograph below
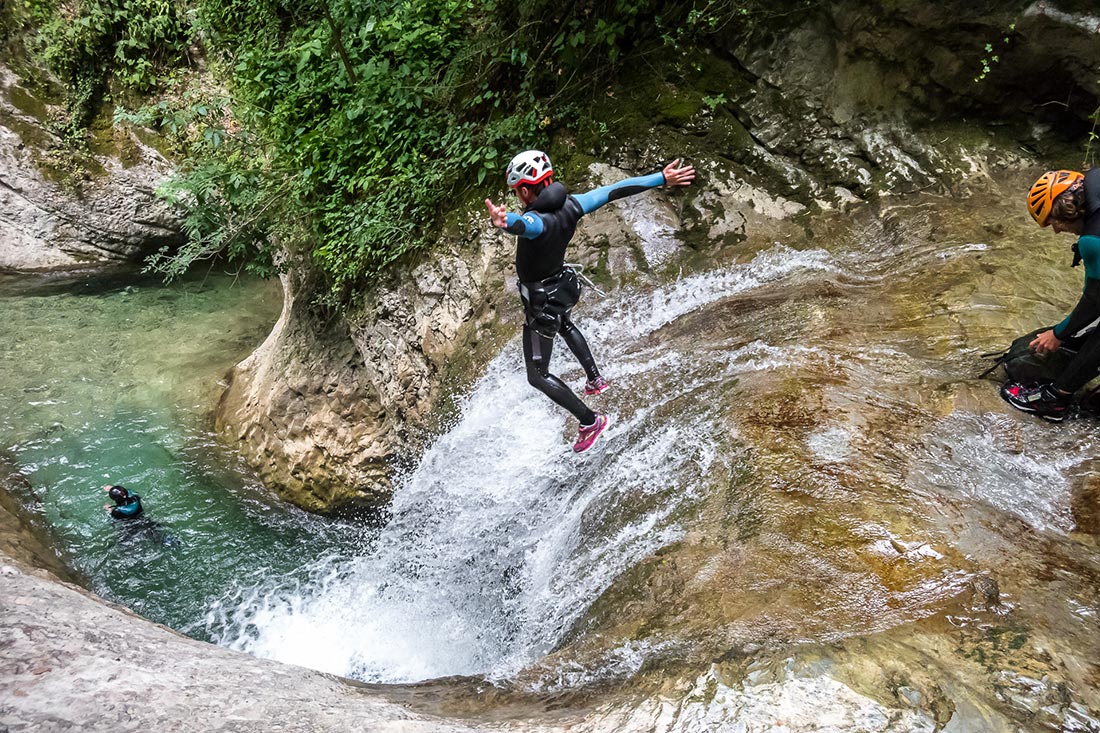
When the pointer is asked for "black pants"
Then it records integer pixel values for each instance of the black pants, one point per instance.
(1083, 367)
(537, 350)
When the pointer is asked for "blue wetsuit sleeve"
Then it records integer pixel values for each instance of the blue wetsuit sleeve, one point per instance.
(528, 225)
(1087, 309)
(598, 197)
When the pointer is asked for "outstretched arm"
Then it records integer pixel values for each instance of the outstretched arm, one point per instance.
(527, 226)
(672, 175)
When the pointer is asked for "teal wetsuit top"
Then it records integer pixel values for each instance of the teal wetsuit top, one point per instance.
(132, 508)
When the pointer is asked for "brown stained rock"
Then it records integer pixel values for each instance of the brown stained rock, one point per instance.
(986, 594)
(1085, 501)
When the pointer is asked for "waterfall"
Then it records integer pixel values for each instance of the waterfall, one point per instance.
(501, 538)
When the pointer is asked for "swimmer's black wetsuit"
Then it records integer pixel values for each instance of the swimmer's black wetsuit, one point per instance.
(542, 234)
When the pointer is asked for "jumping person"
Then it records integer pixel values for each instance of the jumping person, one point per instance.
(547, 288)
(1067, 201)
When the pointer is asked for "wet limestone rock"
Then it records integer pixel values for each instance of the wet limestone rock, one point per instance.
(326, 405)
(54, 218)
(833, 96)
(22, 530)
(69, 661)
(1085, 499)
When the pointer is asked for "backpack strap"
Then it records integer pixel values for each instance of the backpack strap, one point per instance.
(999, 358)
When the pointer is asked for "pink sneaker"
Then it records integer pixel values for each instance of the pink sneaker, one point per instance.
(599, 385)
(587, 436)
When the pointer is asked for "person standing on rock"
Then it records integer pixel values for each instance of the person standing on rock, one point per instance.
(1067, 201)
(547, 288)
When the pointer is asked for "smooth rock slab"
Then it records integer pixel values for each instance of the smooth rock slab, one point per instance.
(69, 662)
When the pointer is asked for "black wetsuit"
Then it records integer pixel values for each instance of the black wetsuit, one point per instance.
(1083, 321)
(542, 234)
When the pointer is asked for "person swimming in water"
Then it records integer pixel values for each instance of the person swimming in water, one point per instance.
(127, 505)
(548, 289)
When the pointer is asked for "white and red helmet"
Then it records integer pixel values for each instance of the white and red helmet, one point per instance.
(530, 167)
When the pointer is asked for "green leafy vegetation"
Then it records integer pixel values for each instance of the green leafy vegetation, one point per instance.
(90, 44)
(992, 55)
(353, 122)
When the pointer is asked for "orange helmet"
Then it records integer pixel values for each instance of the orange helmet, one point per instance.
(1040, 199)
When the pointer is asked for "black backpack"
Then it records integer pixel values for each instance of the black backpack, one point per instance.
(1023, 365)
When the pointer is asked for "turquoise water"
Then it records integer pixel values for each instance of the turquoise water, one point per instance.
(112, 379)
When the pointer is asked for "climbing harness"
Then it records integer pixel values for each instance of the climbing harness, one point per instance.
(579, 269)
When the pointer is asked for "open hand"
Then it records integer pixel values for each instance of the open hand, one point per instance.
(676, 176)
(497, 214)
(1045, 343)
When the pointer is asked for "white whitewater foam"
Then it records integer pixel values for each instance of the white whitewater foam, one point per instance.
(831, 444)
(792, 704)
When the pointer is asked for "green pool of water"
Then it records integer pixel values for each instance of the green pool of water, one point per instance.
(112, 379)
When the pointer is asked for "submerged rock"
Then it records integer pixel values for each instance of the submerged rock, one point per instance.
(22, 530)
